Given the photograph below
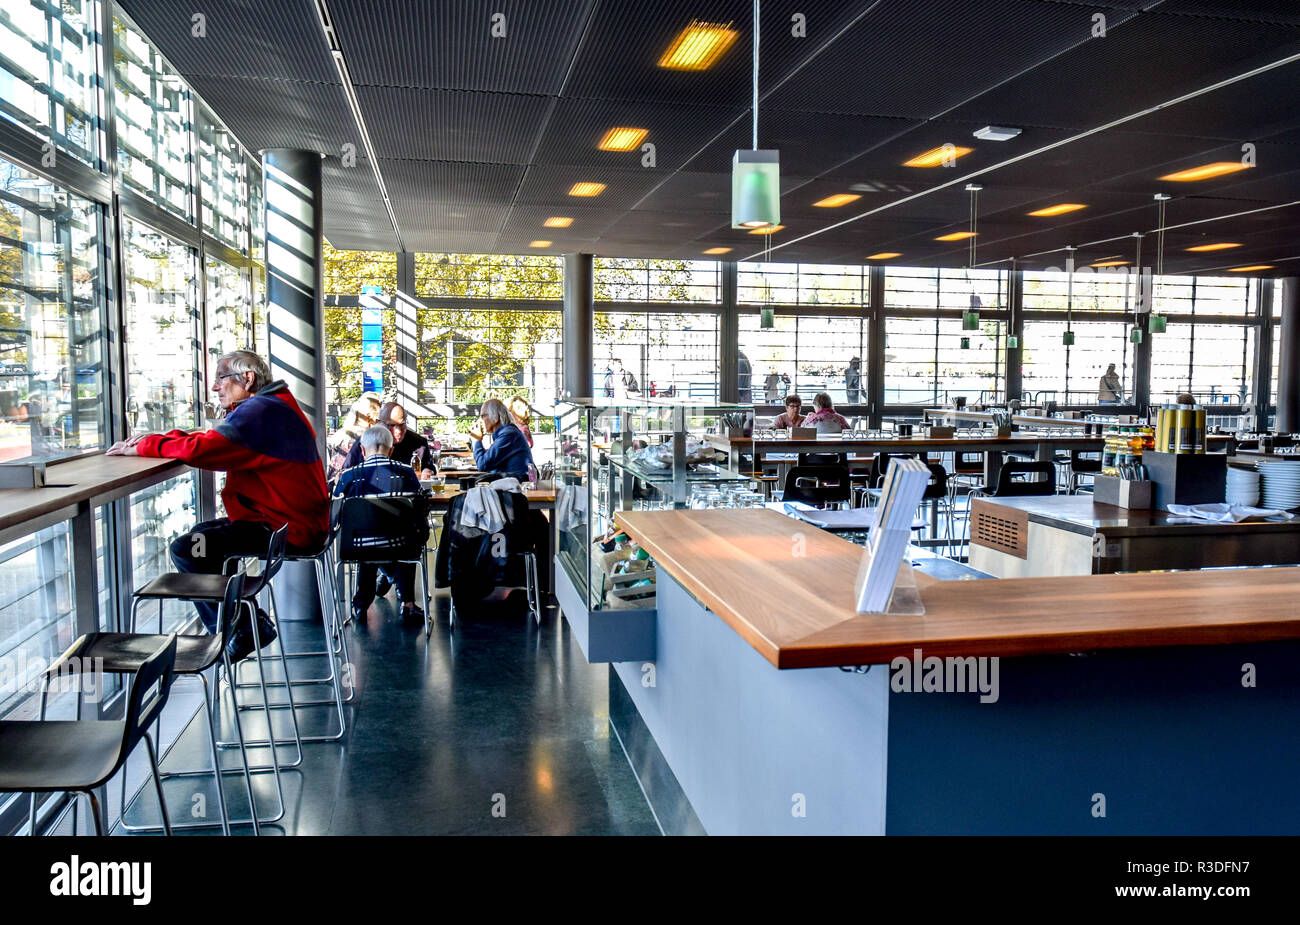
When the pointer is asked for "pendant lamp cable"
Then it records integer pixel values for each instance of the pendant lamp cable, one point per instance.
(1069, 287)
(756, 2)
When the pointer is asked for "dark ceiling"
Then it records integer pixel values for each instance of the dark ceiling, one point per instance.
(480, 138)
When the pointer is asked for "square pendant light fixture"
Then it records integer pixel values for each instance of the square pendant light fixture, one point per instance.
(1068, 338)
(767, 318)
(1156, 324)
(965, 343)
(1135, 335)
(755, 189)
(1013, 342)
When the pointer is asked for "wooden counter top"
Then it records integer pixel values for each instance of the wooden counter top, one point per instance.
(798, 610)
(94, 479)
(1081, 514)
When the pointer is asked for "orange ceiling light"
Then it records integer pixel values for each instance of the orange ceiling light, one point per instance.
(884, 255)
(958, 236)
(839, 199)
(770, 229)
(586, 188)
(937, 157)
(1109, 263)
(622, 138)
(1221, 246)
(1252, 269)
(1206, 171)
(699, 46)
(557, 221)
(539, 243)
(718, 250)
(1060, 209)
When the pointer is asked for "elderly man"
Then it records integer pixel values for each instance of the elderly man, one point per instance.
(509, 453)
(409, 448)
(274, 476)
(379, 474)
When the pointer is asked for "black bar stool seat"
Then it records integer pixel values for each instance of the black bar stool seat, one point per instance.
(191, 586)
(123, 653)
(58, 755)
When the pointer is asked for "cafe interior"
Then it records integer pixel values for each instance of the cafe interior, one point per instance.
(872, 417)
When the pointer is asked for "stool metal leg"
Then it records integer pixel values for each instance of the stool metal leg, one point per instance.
(157, 784)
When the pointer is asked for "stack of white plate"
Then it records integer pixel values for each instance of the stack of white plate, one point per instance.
(1279, 484)
(1243, 486)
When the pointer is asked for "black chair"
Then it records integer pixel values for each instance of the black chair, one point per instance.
(387, 528)
(124, 653)
(1082, 463)
(473, 563)
(73, 756)
(935, 492)
(821, 459)
(818, 485)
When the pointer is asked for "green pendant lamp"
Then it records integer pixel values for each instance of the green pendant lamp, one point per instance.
(970, 320)
(1068, 337)
(965, 343)
(755, 174)
(1013, 342)
(1156, 322)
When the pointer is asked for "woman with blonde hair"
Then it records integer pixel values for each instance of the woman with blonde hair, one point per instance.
(363, 415)
(521, 414)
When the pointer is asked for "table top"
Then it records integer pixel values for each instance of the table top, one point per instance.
(830, 443)
(95, 479)
(1081, 514)
(737, 563)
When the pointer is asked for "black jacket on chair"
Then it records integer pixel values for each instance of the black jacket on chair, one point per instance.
(473, 562)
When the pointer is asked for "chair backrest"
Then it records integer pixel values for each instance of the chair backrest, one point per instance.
(938, 487)
(880, 465)
(149, 689)
(275, 548)
(817, 484)
(830, 426)
(1085, 460)
(1020, 479)
(381, 529)
(821, 459)
(968, 463)
(229, 606)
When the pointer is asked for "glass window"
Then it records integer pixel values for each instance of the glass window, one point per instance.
(1103, 289)
(51, 319)
(1071, 375)
(801, 284)
(346, 272)
(157, 516)
(152, 108)
(618, 279)
(37, 619)
(161, 330)
(659, 353)
(1212, 361)
(49, 71)
(224, 186)
(468, 355)
(488, 276)
(804, 354)
(229, 321)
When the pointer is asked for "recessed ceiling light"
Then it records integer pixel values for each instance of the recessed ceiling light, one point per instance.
(586, 188)
(699, 46)
(1206, 171)
(958, 236)
(770, 229)
(1258, 266)
(884, 255)
(1060, 209)
(539, 243)
(1109, 263)
(718, 250)
(996, 133)
(557, 221)
(622, 139)
(839, 199)
(1221, 246)
(937, 157)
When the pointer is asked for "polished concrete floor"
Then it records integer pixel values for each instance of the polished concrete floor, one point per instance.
(498, 727)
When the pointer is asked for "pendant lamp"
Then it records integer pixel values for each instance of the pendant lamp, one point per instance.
(755, 174)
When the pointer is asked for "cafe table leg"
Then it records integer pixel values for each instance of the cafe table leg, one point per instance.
(992, 466)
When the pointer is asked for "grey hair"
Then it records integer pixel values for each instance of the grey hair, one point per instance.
(246, 361)
(377, 439)
(495, 410)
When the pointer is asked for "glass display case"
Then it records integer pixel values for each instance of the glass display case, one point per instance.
(616, 456)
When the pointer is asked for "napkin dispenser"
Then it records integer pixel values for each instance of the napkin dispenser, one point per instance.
(22, 475)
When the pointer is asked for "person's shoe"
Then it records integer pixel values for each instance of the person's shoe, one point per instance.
(240, 645)
(383, 585)
(359, 613)
(412, 614)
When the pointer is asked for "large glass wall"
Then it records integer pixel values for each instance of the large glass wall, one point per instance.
(804, 355)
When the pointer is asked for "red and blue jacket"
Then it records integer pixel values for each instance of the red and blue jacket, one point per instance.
(267, 448)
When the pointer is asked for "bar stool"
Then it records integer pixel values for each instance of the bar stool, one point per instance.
(125, 653)
(74, 756)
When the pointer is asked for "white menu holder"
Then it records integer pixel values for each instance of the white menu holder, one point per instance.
(886, 582)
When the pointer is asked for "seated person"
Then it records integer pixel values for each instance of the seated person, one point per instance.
(379, 474)
(509, 453)
(409, 448)
(521, 415)
(824, 413)
(791, 417)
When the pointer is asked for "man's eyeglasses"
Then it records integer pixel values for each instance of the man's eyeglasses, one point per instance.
(229, 376)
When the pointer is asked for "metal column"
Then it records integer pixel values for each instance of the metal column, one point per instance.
(1015, 327)
(579, 296)
(876, 345)
(1261, 386)
(407, 340)
(1288, 374)
(728, 337)
(1142, 351)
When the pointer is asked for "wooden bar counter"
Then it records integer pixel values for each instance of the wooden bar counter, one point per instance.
(1174, 695)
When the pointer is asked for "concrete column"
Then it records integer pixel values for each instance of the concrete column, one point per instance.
(1261, 385)
(406, 328)
(1016, 326)
(1142, 351)
(579, 298)
(292, 184)
(1288, 374)
(294, 268)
